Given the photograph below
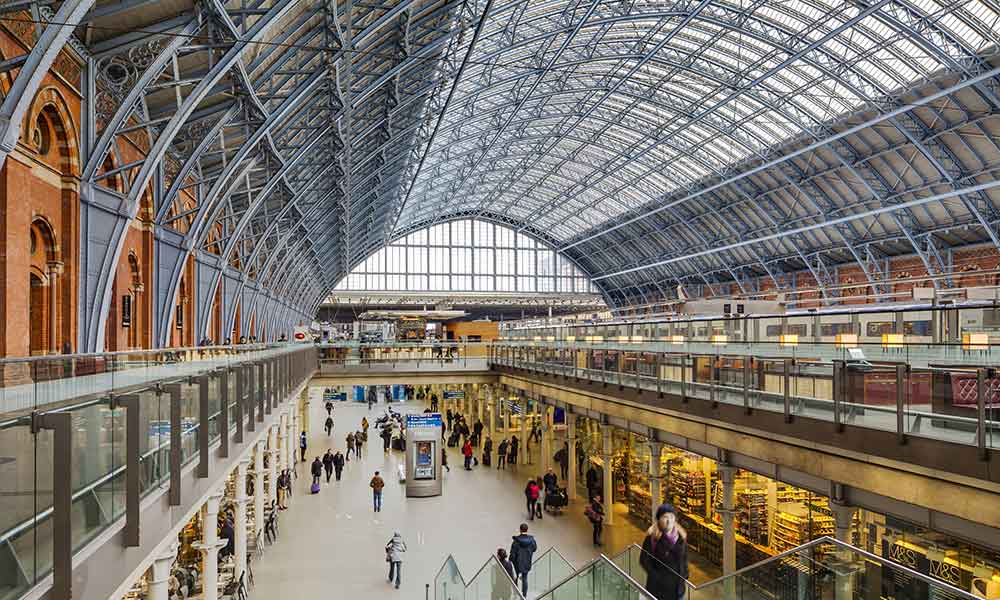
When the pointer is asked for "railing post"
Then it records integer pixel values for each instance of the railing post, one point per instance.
(981, 413)
(901, 403)
(61, 424)
(787, 389)
(133, 477)
(262, 399)
(174, 493)
(659, 377)
(251, 404)
(203, 433)
(223, 376)
(746, 384)
(839, 383)
(684, 385)
(238, 390)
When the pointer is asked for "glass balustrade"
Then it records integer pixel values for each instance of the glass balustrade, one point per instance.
(491, 582)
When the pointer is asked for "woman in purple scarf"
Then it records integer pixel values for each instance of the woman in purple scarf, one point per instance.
(664, 556)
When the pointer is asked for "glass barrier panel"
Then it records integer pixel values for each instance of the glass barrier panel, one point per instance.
(448, 584)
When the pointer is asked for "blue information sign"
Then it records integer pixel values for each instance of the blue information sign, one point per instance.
(423, 420)
(454, 395)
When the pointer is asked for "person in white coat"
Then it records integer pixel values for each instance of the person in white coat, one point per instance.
(394, 556)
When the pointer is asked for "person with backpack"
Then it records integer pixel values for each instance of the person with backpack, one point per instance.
(595, 514)
(664, 556)
(522, 549)
(364, 427)
(329, 426)
(394, 556)
(531, 493)
(302, 446)
(508, 567)
(359, 441)
(487, 452)
(328, 465)
(317, 470)
(350, 445)
(467, 453)
(338, 464)
(502, 454)
(377, 483)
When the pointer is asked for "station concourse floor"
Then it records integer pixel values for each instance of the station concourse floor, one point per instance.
(333, 542)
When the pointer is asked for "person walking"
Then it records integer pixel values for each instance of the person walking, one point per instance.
(364, 427)
(329, 426)
(508, 566)
(338, 464)
(359, 441)
(386, 436)
(371, 399)
(595, 514)
(467, 453)
(549, 484)
(302, 445)
(350, 445)
(593, 482)
(316, 470)
(514, 446)
(377, 484)
(394, 556)
(477, 432)
(562, 459)
(664, 556)
(531, 492)
(444, 459)
(280, 487)
(502, 454)
(328, 465)
(488, 452)
(522, 548)
(329, 408)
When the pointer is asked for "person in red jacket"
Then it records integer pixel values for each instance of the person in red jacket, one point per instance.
(467, 453)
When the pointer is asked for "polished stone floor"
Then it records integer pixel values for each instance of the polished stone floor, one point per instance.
(331, 544)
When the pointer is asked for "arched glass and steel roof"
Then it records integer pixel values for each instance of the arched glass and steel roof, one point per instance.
(688, 143)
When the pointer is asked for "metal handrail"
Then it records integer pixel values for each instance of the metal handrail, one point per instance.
(807, 546)
(10, 533)
(465, 583)
(62, 357)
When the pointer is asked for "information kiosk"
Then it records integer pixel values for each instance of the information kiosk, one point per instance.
(423, 455)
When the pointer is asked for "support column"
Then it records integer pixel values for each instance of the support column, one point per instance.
(607, 494)
(258, 489)
(727, 475)
(655, 476)
(843, 520)
(571, 451)
(272, 466)
(491, 412)
(159, 582)
(546, 444)
(282, 446)
(209, 547)
(240, 524)
(54, 268)
(523, 458)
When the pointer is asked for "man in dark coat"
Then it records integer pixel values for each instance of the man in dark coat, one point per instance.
(664, 556)
(338, 463)
(317, 470)
(522, 549)
(328, 464)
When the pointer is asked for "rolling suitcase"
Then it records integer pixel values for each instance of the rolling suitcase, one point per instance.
(314, 488)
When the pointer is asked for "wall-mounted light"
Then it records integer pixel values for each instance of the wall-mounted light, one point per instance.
(846, 340)
(788, 340)
(975, 341)
(892, 340)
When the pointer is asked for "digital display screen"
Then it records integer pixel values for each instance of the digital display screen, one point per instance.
(423, 458)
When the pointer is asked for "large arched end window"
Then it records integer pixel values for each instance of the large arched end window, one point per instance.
(467, 256)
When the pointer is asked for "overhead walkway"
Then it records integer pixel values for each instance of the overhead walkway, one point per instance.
(106, 463)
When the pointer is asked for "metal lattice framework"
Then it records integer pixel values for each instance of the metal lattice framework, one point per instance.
(660, 145)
